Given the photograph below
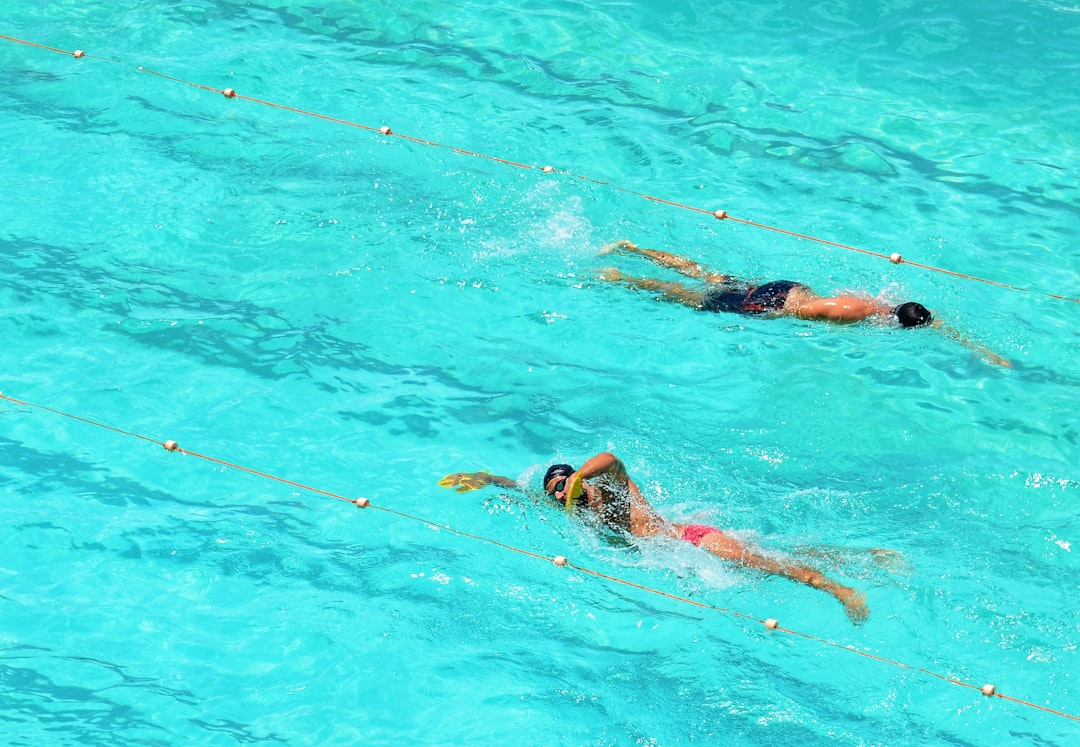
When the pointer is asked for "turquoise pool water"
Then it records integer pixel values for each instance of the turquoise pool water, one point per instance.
(364, 314)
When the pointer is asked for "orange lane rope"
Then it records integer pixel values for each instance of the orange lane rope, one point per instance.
(895, 257)
(559, 560)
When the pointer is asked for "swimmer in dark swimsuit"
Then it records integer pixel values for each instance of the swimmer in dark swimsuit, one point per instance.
(777, 298)
(614, 498)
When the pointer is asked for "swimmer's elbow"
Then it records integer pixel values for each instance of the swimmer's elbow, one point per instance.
(606, 462)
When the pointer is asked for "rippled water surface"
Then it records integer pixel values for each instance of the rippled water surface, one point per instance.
(364, 313)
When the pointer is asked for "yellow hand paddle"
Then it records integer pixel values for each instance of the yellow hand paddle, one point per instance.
(463, 481)
(573, 491)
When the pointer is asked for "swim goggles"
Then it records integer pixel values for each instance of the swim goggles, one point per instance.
(558, 488)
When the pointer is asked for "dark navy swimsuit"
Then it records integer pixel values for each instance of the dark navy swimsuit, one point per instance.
(748, 299)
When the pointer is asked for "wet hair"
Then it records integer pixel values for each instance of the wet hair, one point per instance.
(556, 470)
(912, 314)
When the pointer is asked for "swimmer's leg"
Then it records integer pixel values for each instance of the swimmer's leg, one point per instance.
(891, 560)
(671, 261)
(729, 548)
(835, 556)
(670, 292)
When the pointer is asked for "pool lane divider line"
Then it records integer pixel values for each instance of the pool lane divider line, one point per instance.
(561, 561)
(231, 93)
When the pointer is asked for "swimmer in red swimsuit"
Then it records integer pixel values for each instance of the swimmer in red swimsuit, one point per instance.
(725, 293)
(616, 500)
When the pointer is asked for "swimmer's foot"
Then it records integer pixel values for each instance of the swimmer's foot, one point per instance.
(854, 605)
(890, 560)
(622, 245)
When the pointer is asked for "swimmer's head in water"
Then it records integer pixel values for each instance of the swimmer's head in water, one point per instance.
(561, 471)
(912, 314)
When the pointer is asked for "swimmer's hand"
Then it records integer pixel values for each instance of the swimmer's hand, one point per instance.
(463, 482)
(981, 351)
(573, 491)
(610, 274)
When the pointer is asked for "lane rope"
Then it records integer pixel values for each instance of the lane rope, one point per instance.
(231, 93)
(771, 624)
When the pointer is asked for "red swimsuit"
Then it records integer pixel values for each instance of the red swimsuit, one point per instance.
(694, 533)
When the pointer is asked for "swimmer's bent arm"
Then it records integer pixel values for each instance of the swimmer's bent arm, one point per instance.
(603, 463)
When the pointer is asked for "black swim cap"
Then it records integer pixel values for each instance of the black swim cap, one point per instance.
(912, 314)
(556, 470)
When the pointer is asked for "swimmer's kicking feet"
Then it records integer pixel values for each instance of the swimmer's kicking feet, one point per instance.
(616, 500)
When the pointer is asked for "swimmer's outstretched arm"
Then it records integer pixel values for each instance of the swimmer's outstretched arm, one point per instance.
(981, 351)
(463, 482)
(602, 463)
